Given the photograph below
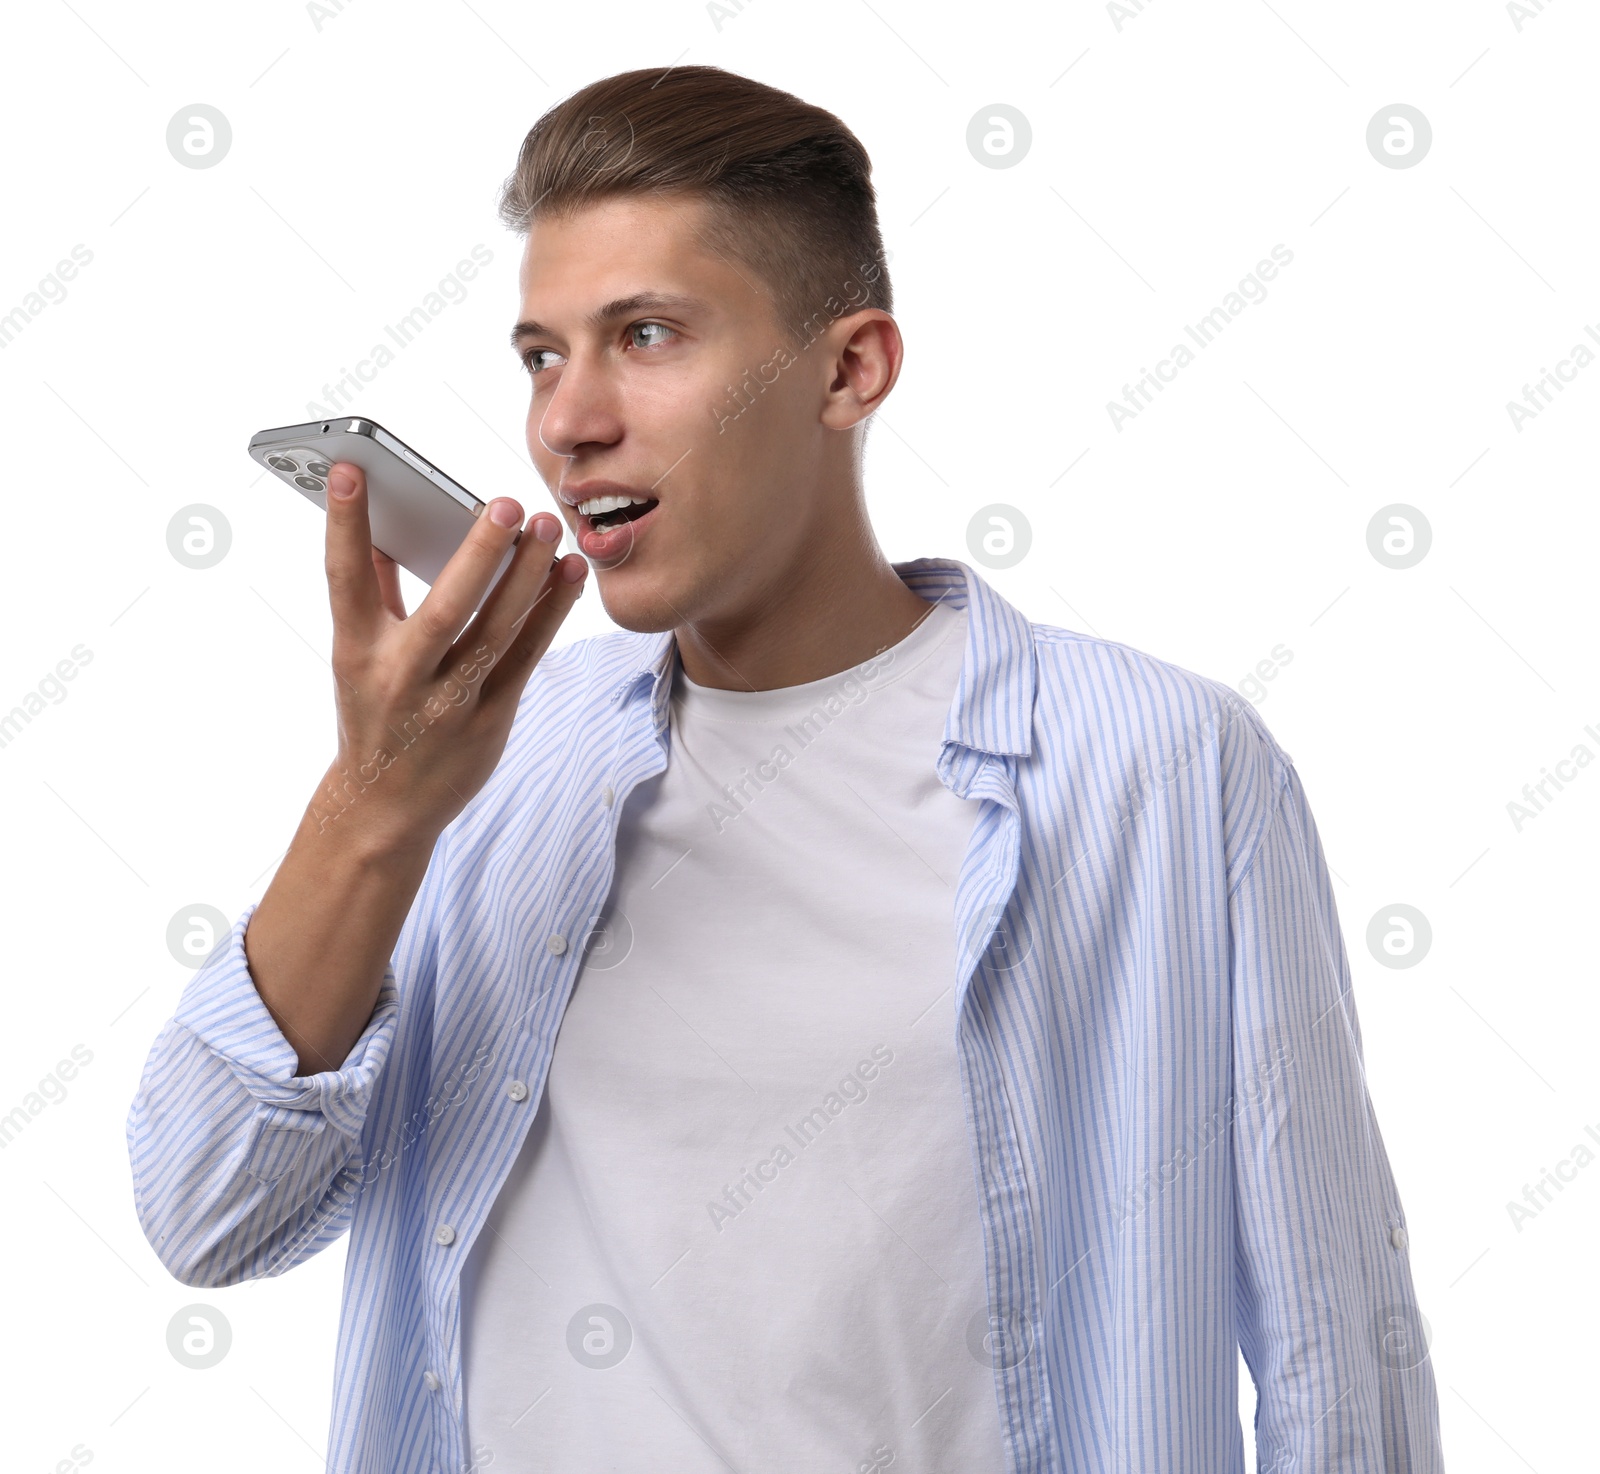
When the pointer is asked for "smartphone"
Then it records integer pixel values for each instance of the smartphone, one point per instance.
(418, 515)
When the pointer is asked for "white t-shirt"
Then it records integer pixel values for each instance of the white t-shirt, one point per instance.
(742, 1231)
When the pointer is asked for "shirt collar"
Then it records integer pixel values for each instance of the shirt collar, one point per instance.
(993, 706)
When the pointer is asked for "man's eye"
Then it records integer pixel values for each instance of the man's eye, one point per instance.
(531, 360)
(641, 327)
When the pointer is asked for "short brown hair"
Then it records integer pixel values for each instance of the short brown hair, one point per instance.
(788, 187)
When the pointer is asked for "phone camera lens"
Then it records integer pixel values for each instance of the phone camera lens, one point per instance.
(282, 463)
(317, 468)
(309, 483)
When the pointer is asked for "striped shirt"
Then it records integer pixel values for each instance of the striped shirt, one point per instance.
(1175, 1152)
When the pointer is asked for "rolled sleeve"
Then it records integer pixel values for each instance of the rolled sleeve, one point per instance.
(236, 1160)
(1328, 1316)
(222, 1008)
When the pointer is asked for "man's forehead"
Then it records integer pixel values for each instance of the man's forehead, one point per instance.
(643, 253)
(618, 227)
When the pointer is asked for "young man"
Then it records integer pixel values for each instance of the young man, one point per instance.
(831, 1023)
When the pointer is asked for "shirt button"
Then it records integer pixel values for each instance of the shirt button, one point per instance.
(430, 1381)
(607, 797)
(1397, 1237)
(444, 1234)
(517, 1090)
(557, 944)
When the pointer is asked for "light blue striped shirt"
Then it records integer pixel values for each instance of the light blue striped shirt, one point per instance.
(1174, 1149)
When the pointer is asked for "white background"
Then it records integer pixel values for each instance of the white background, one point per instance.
(1169, 155)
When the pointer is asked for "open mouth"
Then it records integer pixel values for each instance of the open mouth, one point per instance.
(606, 521)
(609, 535)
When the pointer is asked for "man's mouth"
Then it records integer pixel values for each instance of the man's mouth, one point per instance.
(602, 513)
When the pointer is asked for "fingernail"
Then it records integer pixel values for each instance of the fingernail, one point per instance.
(572, 572)
(342, 483)
(546, 529)
(504, 512)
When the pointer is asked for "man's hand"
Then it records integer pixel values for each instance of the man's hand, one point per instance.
(424, 705)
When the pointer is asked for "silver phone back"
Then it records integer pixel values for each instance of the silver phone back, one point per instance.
(418, 515)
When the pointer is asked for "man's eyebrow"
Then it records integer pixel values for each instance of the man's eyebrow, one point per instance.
(620, 307)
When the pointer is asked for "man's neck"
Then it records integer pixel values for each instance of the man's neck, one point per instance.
(840, 613)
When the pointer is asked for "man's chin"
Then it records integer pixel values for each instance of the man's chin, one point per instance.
(636, 603)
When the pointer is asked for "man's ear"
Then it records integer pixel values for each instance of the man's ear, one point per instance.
(867, 356)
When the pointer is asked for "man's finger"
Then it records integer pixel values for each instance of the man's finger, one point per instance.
(460, 586)
(354, 593)
(524, 580)
(389, 583)
(531, 638)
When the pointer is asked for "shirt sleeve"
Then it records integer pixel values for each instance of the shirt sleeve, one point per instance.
(241, 1168)
(1328, 1317)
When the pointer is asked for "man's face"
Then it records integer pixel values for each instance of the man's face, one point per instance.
(697, 403)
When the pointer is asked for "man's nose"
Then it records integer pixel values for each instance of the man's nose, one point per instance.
(582, 409)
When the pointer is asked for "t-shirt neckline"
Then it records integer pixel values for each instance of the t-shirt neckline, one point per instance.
(895, 662)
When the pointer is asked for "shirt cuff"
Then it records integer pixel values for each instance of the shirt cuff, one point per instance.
(221, 1007)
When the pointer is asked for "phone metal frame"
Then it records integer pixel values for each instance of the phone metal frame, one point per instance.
(418, 515)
